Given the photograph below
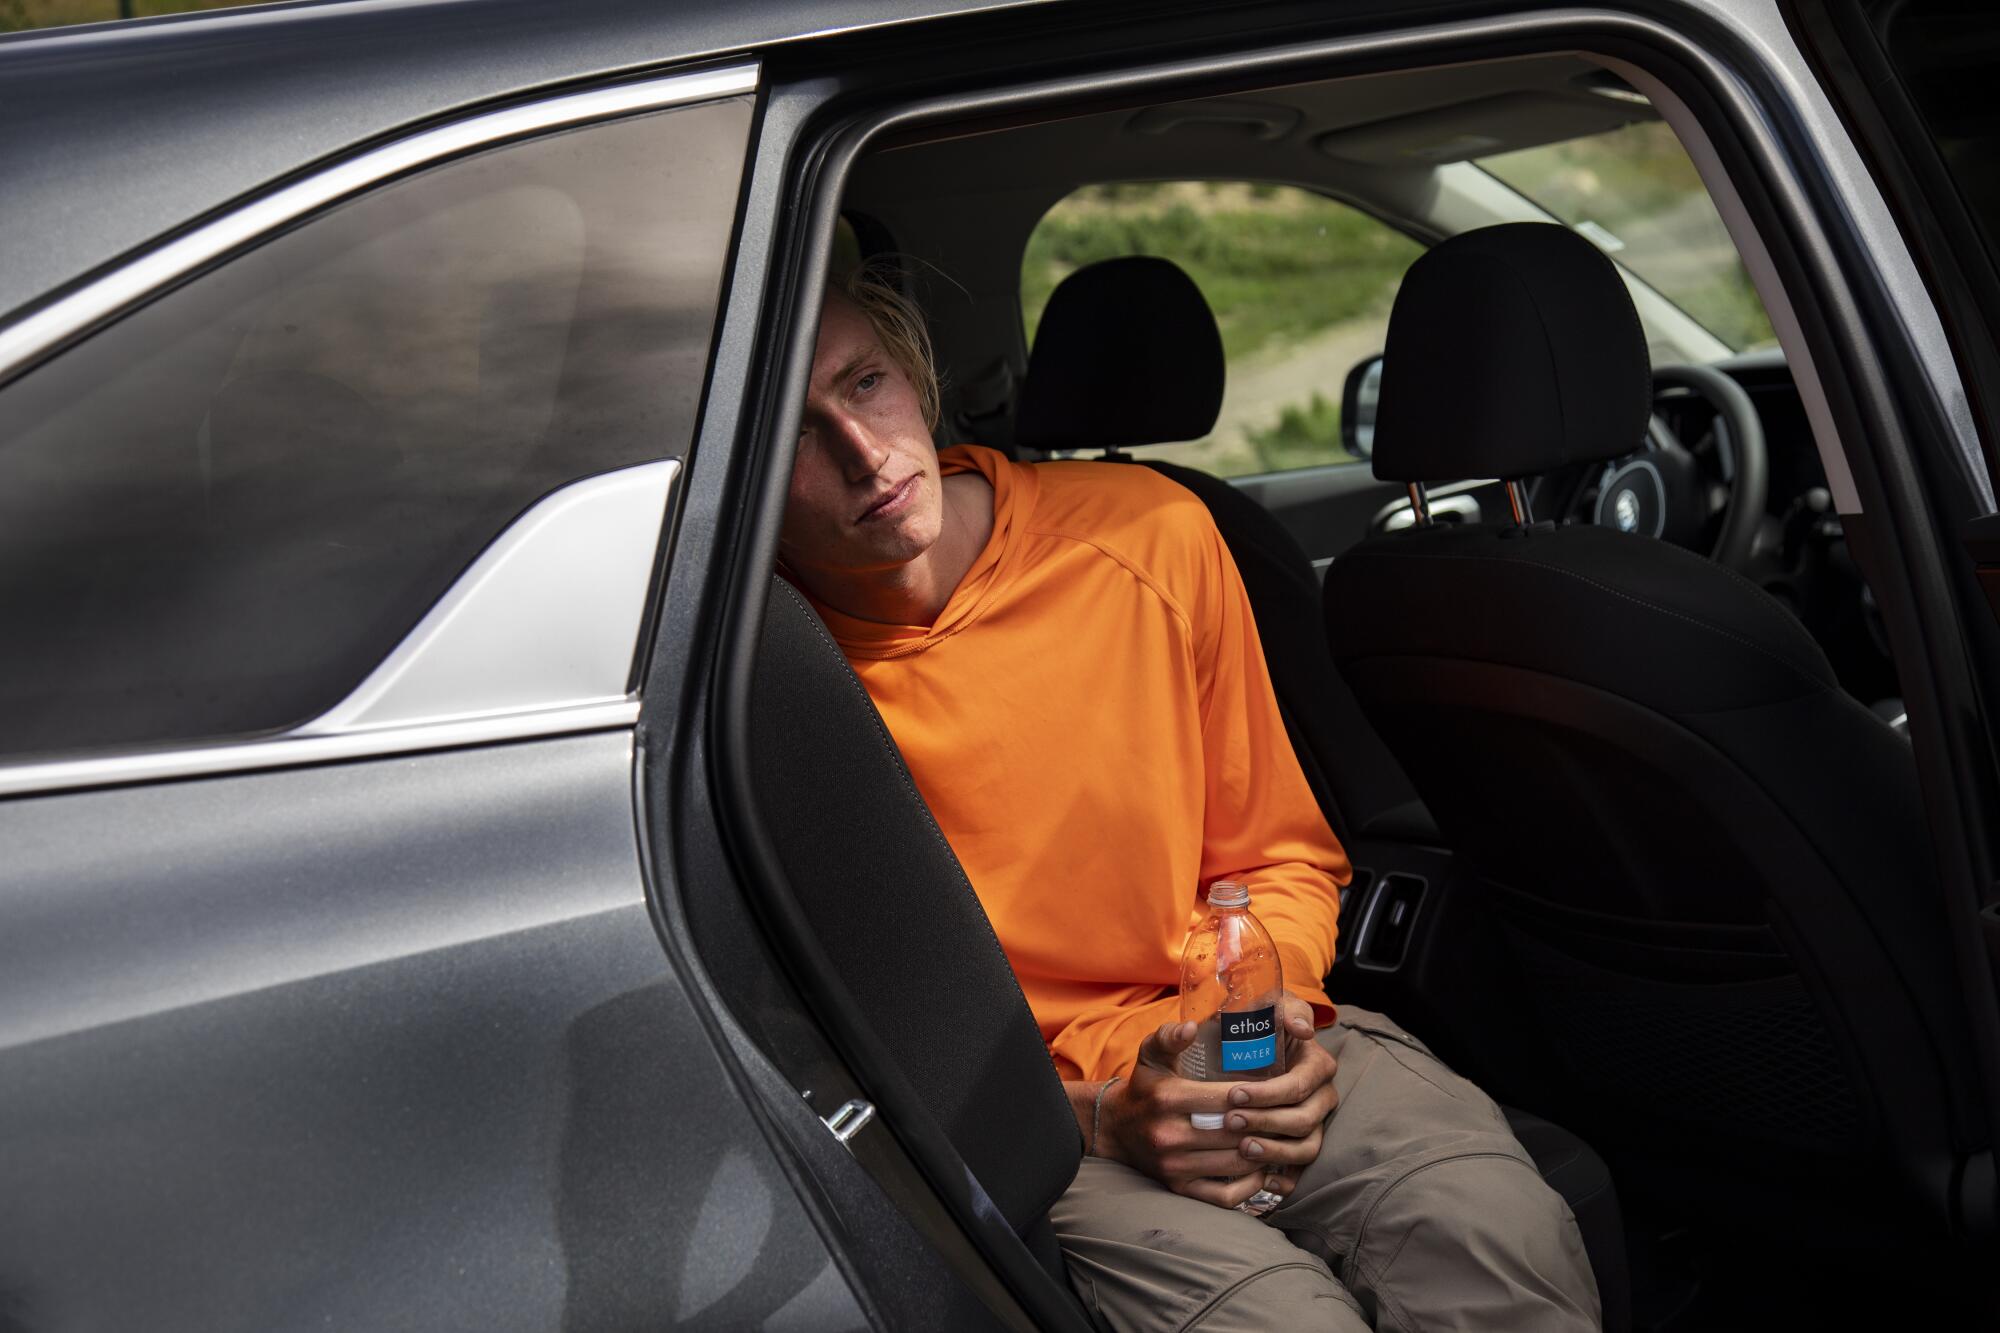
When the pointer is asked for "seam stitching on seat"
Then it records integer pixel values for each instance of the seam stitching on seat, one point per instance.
(1621, 593)
(1583, 1199)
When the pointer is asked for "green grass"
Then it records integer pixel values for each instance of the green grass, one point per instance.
(1728, 306)
(1306, 435)
(20, 15)
(1276, 264)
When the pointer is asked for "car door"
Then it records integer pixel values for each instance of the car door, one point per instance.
(1911, 84)
(329, 991)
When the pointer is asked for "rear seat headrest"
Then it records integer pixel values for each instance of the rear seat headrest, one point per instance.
(1512, 350)
(1127, 354)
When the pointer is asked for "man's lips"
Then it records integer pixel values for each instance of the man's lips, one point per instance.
(892, 500)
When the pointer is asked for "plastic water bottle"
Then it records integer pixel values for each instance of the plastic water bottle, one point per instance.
(1231, 982)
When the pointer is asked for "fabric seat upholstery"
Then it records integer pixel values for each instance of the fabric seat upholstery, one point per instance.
(1712, 861)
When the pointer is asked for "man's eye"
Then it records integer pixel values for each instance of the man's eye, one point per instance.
(868, 381)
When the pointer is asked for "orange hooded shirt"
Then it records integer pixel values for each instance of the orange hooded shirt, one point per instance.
(1092, 724)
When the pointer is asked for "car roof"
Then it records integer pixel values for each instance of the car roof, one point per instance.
(120, 133)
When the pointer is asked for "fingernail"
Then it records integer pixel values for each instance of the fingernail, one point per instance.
(1252, 1148)
(1239, 1122)
(1239, 1096)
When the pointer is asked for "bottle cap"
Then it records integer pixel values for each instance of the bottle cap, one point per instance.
(1206, 1119)
(1228, 893)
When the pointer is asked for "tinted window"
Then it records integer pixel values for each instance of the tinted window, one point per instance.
(1634, 193)
(1301, 288)
(1949, 56)
(219, 514)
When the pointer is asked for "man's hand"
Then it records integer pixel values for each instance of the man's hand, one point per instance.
(1144, 1122)
(1284, 1118)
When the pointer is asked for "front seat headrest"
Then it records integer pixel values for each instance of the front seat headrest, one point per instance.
(1512, 350)
(1127, 353)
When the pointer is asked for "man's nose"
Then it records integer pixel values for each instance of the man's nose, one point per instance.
(862, 454)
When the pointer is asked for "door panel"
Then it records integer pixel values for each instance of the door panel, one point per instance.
(378, 1045)
(1327, 508)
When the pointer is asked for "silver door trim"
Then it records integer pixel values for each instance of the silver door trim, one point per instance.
(294, 748)
(28, 340)
(547, 617)
(536, 638)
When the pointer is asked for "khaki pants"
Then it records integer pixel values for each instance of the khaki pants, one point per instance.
(1422, 1212)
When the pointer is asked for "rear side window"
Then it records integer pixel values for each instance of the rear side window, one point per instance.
(1949, 56)
(219, 514)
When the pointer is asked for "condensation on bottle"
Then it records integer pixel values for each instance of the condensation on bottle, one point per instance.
(1231, 982)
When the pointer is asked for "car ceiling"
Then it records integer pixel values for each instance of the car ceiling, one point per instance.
(964, 204)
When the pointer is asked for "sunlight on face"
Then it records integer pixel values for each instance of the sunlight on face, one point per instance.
(866, 492)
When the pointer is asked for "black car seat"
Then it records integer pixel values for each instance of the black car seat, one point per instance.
(898, 923)
(1127, 354)
(1712, 862)
(861, 849)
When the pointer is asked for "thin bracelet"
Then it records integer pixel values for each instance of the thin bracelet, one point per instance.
(1097, 1114)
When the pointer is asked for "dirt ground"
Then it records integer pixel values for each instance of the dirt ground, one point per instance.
(1263, 384)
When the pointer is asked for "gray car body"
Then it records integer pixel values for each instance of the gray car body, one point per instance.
(383, 1043)
(392, 1040)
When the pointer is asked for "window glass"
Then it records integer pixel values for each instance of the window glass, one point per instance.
(846, 251)
(1949, 56)
(1301, 288)
(1634, 192)
(19, 15)
(219, 514)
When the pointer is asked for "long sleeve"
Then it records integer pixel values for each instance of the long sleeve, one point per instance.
(1091, 723)
(1262, 824)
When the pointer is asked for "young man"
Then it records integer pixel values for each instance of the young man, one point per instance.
(1069, 664)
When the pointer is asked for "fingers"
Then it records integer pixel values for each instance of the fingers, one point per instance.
(1291, 1122)
(1312, 1068)
(1162, 1048)
(1179, 1097)
(1221, 1193)
(1284, 1122)
(1282, 1152)
(1298, 1017)
(1224, 1163)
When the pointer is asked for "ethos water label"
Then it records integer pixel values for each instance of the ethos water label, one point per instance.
(1249, 1039)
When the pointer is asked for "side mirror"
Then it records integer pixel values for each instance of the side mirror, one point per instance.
(1357, 407)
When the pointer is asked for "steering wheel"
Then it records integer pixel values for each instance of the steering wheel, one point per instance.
(1662, 491)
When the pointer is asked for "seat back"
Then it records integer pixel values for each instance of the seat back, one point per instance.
(1712, 862)
(898, 920)
(1127, 354)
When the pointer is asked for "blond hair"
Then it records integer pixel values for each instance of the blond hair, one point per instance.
(900, 327)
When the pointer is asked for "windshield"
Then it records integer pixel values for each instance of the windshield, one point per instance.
(1634, 193)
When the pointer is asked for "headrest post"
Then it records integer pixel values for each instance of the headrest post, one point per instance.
(1420, 505)
(1517, 500)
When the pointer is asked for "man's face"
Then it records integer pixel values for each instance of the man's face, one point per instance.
(866, 491)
